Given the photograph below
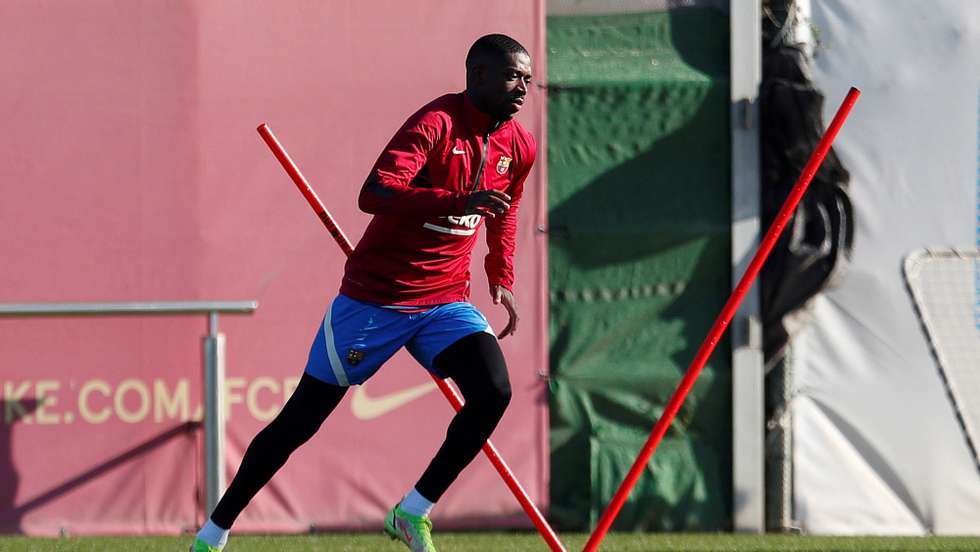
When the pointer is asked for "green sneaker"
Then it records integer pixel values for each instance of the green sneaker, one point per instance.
(201, 546)
(414, 531)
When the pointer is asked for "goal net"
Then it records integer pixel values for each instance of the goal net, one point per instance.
(945, 286)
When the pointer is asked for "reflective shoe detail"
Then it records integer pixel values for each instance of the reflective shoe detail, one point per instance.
(201, 546)
(414, 531)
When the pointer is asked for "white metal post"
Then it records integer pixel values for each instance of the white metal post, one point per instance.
(214, 412)
(748, 396)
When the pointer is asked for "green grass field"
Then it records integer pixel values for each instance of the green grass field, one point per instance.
(505, 542)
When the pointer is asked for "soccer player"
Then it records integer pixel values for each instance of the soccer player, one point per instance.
(459, 161)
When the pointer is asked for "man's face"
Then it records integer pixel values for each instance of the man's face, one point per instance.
(504, 85)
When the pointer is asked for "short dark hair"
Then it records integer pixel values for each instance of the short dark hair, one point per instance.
(493, 45)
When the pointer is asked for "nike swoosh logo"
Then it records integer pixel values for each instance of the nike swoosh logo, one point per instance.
(458, 151)
(366, 407)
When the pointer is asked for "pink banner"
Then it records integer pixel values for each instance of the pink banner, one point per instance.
(130, 170)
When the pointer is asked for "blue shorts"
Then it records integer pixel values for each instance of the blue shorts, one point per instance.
(356, 338)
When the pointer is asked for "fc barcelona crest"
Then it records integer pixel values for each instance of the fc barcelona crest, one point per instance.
(503, 164)
(354, 356)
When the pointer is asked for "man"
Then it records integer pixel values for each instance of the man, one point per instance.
(458, 161)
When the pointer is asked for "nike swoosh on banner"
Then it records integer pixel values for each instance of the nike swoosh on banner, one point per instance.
(366, 407)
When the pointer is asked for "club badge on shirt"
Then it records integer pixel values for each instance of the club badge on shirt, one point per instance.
(503, 164)
(354, 356)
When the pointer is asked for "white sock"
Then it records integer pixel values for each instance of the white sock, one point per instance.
(416, 504)
(213, 535)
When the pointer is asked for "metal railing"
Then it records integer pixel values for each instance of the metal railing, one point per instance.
(214, 363)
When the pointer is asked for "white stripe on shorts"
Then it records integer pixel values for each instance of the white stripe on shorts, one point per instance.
(335, 364)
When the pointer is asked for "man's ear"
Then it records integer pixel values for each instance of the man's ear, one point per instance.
(479, 72)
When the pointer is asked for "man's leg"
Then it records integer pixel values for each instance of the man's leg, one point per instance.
(300, 418)
(477, 365)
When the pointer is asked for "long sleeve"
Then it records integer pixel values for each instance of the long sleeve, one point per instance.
(502, 232)
(417, 248)
(389, 189)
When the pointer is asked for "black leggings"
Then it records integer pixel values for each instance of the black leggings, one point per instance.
(475, 363)
(300, 418)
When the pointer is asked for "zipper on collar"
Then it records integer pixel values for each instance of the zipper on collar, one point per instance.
(483, 158)
(483, 162)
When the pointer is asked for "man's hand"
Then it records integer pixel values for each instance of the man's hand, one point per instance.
(503, 295)
(488, 202)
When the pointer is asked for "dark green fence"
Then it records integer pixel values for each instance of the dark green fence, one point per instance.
(639, 254)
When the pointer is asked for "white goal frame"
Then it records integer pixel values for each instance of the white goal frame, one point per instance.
(945, 287)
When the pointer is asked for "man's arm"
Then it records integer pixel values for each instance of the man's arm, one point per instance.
(388, 189)
(501, 242)
(502, 231)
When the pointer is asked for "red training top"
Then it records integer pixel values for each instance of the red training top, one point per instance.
(416, 250)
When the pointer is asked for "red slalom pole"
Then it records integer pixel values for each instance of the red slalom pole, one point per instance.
(491, 451)
(305, 188)
(721, 323)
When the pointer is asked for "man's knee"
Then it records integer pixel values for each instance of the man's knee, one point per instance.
(477, 365)
(501, 393)
(495, 395)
